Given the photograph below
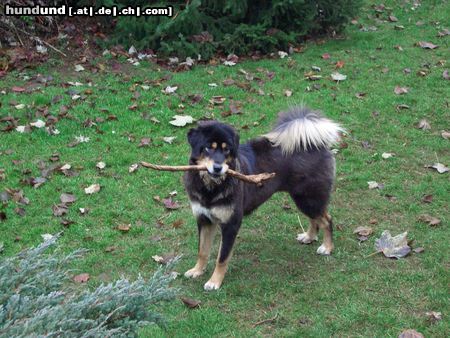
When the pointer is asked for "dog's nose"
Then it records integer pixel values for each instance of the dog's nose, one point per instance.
(217, 168)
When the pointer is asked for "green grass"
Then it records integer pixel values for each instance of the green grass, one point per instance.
(270, 274)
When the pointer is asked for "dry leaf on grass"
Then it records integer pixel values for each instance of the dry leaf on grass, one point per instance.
(132, 168)
(430, 220)
(164, 259)
(410, 333)
(400, 90)
(375, 185)
(124, 227)
(427, 45)
(423, 124)
(440, 168)
(434, 316)
(338, 76)
(100, 165)
(81, 278)
(67, 198)
(181, 120)
(190, 303)
(92, 189)
(387, 155)
(393, 247)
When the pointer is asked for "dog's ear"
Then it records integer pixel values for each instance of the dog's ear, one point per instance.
(236, 140)
(192, 136)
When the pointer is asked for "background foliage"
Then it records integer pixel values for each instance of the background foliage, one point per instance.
(240, 27)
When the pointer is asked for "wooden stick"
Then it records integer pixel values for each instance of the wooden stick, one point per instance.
(255, 179)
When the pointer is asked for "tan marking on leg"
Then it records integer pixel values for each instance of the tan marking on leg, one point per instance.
(218, 275)
(327, 246)
(207, 234)
(311, 234)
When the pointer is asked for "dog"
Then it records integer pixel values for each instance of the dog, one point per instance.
(297, 150)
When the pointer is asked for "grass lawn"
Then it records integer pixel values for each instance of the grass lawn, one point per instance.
(271, 276)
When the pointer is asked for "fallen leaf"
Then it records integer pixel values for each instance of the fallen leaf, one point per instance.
(59, 210)
(423, 124)
(326, 56)
(47, 237)
(124, 227)
(165, 259)
(170, 90)
(229, 63)
(100, 165)
(393, 247)
(445, 75)
(17, 89)
(445, 135)
(430, 220)
(400, 90)
(427, 45)
(181, 120)
(169, 139)
(217, 100)
(212, 84)
(170, 204)
(19, 106)
(419, 249)
(178, 223)
(375, 185)
(79, 68)
(190, 303)
(92, 189)
(434, 316)
(133, 168)
(145, 142)
(410, 333)
(81, 278)
(392, 18)
(338, 76)
(288, 93)
(282, 54)
(427, 198)
(66, 198)
(387, 155)
(441, 169)
(38, 124)
(363, 231)
(339, 64)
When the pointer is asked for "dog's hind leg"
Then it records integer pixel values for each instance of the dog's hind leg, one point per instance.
(229, 233)
(325, 223)
(206, 233)
(314, 206)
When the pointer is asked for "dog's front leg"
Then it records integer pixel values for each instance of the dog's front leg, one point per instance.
(229, 232)
(206, 233)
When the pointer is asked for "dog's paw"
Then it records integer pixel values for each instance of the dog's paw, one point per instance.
(210, 286)
(323, 250)
(193, 273)
(305, 239)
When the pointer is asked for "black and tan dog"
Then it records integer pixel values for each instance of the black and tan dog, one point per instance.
(297, 150)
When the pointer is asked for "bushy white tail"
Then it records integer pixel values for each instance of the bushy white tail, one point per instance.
(301, 128)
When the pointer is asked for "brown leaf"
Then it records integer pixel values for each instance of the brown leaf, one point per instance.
(228, 82)
(81, 278)
(59, 210)
(427, 198)
(164, 259)
(66, 222)
(20, 211)
(445, 134)
(170, 204)
(363, 231)
(339, 64)
(217, 100)
(430, 220)
(400, 90)
(326, 56)
(393, 247)
(410, 333)
(445, 75)
(177, 224)
(67, 198)
(423, 124)
(92, 189)
(190, 303)
(427, 45)
(288, 93)
(110, 248)
(434, 316)
(392, 18)
(145, 142)
(419, 249)
(124, 227)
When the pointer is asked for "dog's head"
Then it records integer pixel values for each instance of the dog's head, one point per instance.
(214, 145)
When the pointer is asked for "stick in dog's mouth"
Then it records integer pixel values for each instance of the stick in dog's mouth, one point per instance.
(255, 179)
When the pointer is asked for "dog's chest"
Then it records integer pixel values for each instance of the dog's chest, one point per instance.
(217, 214)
